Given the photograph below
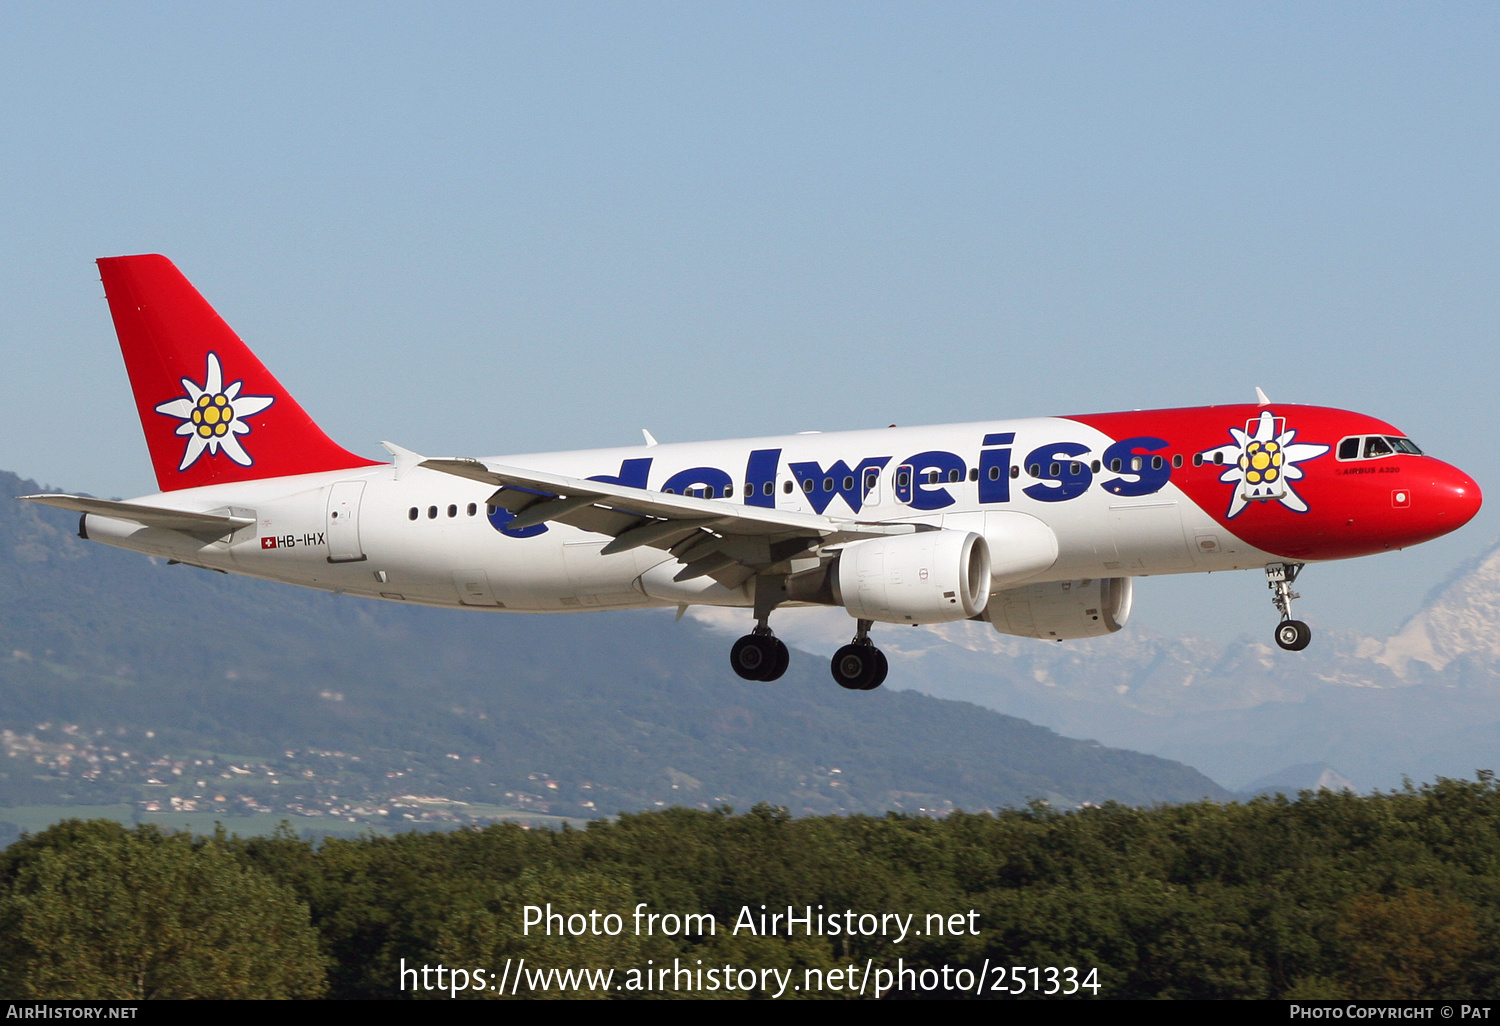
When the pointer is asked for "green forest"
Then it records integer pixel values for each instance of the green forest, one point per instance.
(1391, 895)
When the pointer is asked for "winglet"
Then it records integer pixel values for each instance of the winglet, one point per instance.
(405, 459)
(1260, 397)
(650, 438)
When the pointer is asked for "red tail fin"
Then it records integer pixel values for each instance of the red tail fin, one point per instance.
(211, 411)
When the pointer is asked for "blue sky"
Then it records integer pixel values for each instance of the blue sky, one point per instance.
(483, 228)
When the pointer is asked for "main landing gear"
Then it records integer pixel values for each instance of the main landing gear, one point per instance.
(859, 665)
(759, 655)
(1292, 635)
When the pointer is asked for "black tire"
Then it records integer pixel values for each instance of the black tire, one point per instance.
(752, 656)
(854, 666)
(881, 668)
(781, 658)
(1293, 635)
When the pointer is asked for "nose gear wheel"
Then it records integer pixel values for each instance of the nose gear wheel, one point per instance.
(1292, 635)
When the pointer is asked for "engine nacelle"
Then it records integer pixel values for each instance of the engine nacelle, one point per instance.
(1063, 609)
(928, 577)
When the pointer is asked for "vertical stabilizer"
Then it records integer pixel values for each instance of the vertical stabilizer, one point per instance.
(211, 411)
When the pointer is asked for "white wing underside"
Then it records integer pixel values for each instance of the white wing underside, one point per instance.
(719, 538)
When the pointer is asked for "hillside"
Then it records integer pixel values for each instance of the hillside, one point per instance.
(123, 679)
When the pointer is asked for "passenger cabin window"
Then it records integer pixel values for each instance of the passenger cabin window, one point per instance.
(472, 509)
(411, 514)
(452, 511)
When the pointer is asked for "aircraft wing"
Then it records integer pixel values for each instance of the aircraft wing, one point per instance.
(211, 524)
(726, 540)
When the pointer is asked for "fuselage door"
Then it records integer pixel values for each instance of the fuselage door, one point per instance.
(343, 522)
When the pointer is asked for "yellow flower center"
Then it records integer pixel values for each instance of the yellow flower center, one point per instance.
(212, 415)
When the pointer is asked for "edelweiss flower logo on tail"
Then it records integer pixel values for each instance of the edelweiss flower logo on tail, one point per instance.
(1263, 460)
(213, 416)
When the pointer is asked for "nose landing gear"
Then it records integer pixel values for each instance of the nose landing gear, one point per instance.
(859, 665)
(1292, 635)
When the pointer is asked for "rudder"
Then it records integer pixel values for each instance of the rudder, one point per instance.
(211, 411)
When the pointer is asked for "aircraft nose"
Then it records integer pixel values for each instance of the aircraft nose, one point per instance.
(1459, 498)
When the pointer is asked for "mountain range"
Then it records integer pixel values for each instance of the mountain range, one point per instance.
(1422, 703)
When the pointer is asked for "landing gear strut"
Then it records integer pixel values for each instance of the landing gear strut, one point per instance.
(1292, 635)
(761, 655)
(859, 665)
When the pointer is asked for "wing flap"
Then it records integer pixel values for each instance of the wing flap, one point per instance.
(717, 538)
(520, 489)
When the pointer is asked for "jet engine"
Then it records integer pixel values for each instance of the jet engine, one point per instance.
(928, 577)
(1062, 609)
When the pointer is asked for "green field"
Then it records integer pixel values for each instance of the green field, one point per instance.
(257, 825)
(34, 818)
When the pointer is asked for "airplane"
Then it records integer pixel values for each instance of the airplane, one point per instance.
(1036, 526)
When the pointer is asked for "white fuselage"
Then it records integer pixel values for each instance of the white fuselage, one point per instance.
(430, 537)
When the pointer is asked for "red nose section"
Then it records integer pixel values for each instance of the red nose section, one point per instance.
(1429, 502)
(1456, 499)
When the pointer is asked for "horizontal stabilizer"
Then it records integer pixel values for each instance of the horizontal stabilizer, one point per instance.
(215, 524)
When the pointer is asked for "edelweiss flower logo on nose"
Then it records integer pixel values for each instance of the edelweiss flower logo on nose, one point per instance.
(213, 416)
(1263, 461)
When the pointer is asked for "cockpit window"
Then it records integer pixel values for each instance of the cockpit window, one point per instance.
(1371, 447)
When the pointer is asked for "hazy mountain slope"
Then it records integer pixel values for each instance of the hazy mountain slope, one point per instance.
(1423, 703)
(620, 711)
